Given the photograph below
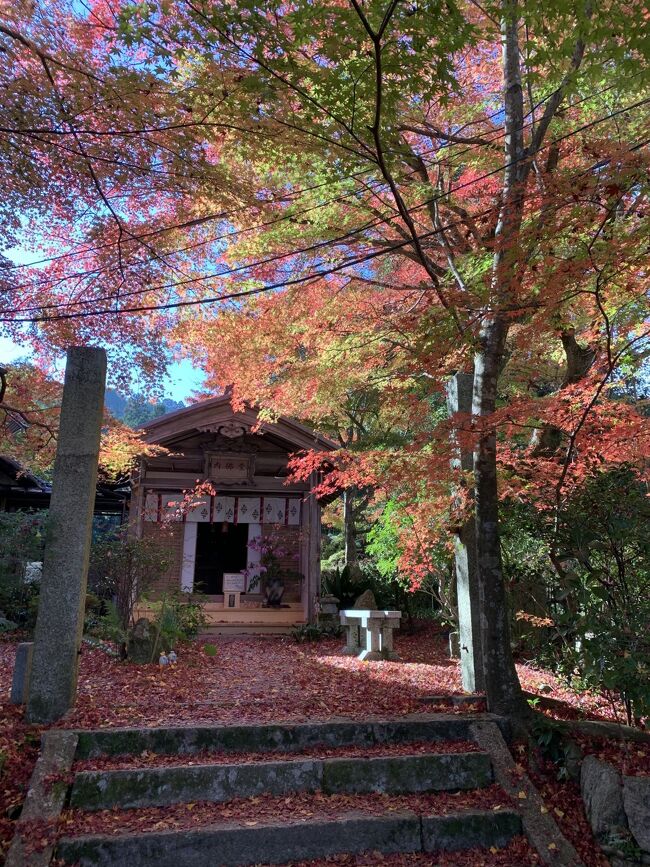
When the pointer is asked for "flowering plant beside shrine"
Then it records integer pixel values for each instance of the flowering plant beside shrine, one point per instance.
(273, 555)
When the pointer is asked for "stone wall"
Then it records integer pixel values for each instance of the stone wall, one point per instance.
(618, 809)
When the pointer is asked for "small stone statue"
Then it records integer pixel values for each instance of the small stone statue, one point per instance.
(163, 661)
(366, 602)
(141, 642)
(171, 656)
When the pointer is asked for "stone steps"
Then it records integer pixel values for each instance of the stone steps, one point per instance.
(338, 819)
(284, 737)
(440, 772)
(281, 843)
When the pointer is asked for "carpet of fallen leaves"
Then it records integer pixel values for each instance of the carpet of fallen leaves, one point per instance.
(211, 757)
(18, 751)
(564, 801)
(261, 679)
(258, 679)
(518, 853)
(631, 759)
(267, 809)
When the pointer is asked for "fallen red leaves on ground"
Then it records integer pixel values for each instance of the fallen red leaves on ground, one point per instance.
(18, 750)
(263, 679)
(631, 759)
(517, 853)
(259, 679)
(260, 810)
(210, 757)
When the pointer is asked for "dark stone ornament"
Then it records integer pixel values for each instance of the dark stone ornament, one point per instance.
(141, 643)
(274, 591)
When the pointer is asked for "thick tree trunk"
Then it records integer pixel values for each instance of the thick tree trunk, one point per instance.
(579, 359)
(504, 695)
(502, 686)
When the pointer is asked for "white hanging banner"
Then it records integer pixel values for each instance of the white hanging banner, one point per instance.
(254, 558)
(274, 510)
(224, 509)
(293, 512)
(189, 557)
(199, 510)
(248, 510)
(240, 510)
(151, 507)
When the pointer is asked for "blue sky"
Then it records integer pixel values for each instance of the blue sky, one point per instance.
(182, 378)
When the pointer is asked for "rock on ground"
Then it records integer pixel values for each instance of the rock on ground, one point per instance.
(636, 800)
(600, 784)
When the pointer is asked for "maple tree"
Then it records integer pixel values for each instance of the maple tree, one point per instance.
(30, 406)
(100, 160)
(481, 208)
(358, 208)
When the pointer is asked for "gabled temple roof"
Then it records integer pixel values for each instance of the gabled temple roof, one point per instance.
(12, 474)
(216, 414)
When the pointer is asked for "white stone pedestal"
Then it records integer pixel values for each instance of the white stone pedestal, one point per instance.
(369, 634)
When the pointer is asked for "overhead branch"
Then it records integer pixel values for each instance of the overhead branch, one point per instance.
(432, 132)
(45, 56)
(555, 100)
(376, 39)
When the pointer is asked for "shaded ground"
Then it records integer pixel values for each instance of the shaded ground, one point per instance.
(255, 679)
(517, 854)
(298, 807)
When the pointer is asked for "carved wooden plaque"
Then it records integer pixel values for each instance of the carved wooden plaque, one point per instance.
(230, 468)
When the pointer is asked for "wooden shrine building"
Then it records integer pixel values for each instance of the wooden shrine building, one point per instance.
(224, 533)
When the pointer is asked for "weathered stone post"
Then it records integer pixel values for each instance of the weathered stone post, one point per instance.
(459, 399)
(57, 637)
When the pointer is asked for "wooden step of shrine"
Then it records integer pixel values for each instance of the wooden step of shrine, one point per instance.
(215, 629)
(222, 620)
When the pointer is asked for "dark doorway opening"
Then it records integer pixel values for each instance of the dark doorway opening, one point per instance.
(219, 548)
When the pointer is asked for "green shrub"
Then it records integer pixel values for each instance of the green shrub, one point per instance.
(123, 569)
(344, 586)
(22, 537)
(588, 617)
(178, 617)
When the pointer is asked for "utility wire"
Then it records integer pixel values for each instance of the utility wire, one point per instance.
(311, 248)
(496, 135)
(270, 287)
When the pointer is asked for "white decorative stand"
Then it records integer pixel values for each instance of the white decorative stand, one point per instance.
(231, 600)
(369, 634)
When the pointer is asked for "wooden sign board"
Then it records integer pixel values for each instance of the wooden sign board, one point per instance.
(234, 582)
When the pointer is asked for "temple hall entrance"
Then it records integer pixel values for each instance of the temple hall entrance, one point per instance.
(219, 548)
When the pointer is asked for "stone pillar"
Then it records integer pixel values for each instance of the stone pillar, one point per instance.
(57, 637)
(459, 399)
(22, 673)
(387, 647)
(352, 642)
(372, 639)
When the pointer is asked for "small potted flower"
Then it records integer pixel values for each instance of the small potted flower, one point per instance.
(270, 573)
